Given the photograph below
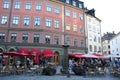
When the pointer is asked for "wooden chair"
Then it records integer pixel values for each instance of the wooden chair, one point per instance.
(100, 71)
(91, 72)
(39, 70)
(5, 70)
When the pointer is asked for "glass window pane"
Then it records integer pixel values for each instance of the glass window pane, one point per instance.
(37, 21)
(26, 20)
(17, 5)
(15, 20)
(38, 6)
(49, 8)
(28, 5)
(4, 20)
(6, 4)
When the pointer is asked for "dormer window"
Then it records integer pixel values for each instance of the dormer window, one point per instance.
(74, 3)
(68, 1)
(80, 5)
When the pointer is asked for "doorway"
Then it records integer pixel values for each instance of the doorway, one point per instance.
(56, 58)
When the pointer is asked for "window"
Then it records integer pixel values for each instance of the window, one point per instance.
(68, 27)
(56, 40)
(95, 39)
(49, 8)
(80, 5)
(68, 1)
(75, 42)
(6, 4)
(108, 46)
(74, 3)
(68, 41)
(89, 27)
(13, 37)
(48, 22)
(95, 48)
(67, 13)
(99, 40)
(26, 20)
(37, 21)
(36, 38)
(28, 6)
(82, 43)
(90, 37)
(99, 49)
(38, 6)
(25, 38)
(47, 39)
(90, 46)
(56, 23)
(17, 5)
(81, 30)
(75, 28)
(89, 19)
(2, 37)
(81, 16)
(15, 20)
(74, 15)
(4, 20)
(57, 10)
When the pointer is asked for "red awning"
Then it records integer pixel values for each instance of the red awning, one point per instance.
(99, 55)
(13, 53)
(24, 52)
(48, 53)
(90, 56)
(77, 55)
(35, 52)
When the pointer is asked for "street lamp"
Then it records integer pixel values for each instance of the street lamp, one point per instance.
(65, 64)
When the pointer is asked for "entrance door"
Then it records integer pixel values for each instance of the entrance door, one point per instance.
(56, 58)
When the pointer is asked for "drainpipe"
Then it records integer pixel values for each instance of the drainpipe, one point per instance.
(9, 21)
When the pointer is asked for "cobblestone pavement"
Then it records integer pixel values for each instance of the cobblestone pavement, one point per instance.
(58, 76)
(55, 77)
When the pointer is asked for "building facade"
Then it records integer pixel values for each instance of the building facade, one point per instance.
(106, 42)
(93, 32)
(42, 24)
(115, 45)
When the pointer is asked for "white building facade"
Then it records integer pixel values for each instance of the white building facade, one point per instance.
(115, 45)
(93, 33)
(106, 47)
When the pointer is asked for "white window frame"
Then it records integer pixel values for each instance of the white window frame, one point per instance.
(38, 6)
(48, 22)
(37, 21)
(67, 12)
(28, 5)
(4, 20)
(49, 8)
(6, 4)
(57, 10)
(56, 23)
(15, 20)
(17, 5)
(26, 20)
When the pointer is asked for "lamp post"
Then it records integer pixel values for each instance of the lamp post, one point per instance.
(65, 64)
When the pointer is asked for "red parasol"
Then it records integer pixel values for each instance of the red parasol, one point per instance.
(48, 53)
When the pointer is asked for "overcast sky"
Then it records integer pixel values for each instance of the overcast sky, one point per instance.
(108, 11)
